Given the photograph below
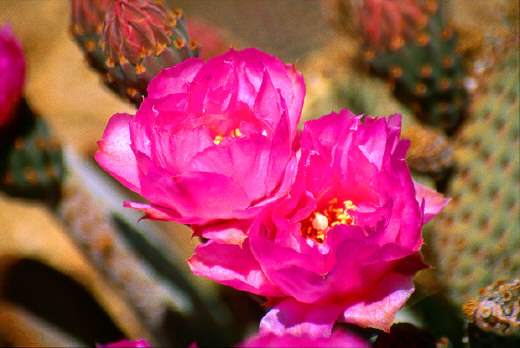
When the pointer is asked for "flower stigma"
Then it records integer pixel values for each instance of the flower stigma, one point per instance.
(318, 223)
(234, 133)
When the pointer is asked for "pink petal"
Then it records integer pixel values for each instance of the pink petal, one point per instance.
(155, 212)
(175, 79)
(291, 317)
(198, 195)
(231, 265)
(431, 201)
(339, 338)
(285, 77)
(115, 154)
(379, 308)
(231, 232)
(244, 158)
(142, 343)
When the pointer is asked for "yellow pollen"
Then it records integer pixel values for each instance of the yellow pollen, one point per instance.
(234, 133)
(318, 224)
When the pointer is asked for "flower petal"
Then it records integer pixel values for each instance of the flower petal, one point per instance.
(115, 154)
(232, 265)
(431, 201)
(291, 317)
(378, 309)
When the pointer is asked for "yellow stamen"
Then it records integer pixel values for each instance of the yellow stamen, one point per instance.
(234, 133)
(318, 224)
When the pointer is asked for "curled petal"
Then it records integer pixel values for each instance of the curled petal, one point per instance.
(378, 309)
(431, 201)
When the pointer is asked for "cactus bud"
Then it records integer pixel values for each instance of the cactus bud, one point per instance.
(12, 75)
(139, 38)
(86, 24)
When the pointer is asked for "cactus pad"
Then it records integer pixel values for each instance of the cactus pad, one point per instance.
(426, 74)
(476, 238)
(31, 164)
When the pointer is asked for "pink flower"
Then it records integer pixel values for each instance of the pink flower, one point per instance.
(344, 244)
(339, 338)
(142, 343)
(12, 74)
(212, 141)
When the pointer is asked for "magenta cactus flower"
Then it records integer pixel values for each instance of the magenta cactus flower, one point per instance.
(344, 244)
(212, 142)
(12, 74)
(339, 338)
(142, 343)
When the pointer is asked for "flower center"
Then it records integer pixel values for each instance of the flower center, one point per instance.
(319, 223)
(234, 133)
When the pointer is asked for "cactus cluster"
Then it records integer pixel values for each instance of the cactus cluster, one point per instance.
(130, 41)
(476, 238)
(426, 73)
(31, 163)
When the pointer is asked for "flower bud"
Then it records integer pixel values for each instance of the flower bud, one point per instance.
(139, 38)
(86, 24)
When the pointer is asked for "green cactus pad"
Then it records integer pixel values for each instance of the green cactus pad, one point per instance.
(477, 237)
(31, 163)
(426, 75)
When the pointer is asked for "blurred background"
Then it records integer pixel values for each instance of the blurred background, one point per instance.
(71, 98)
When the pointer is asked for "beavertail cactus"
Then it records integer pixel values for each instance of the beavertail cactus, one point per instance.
(476, 240)
(31, 163)
(139, 38)
(86, 24)
(425, 72)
